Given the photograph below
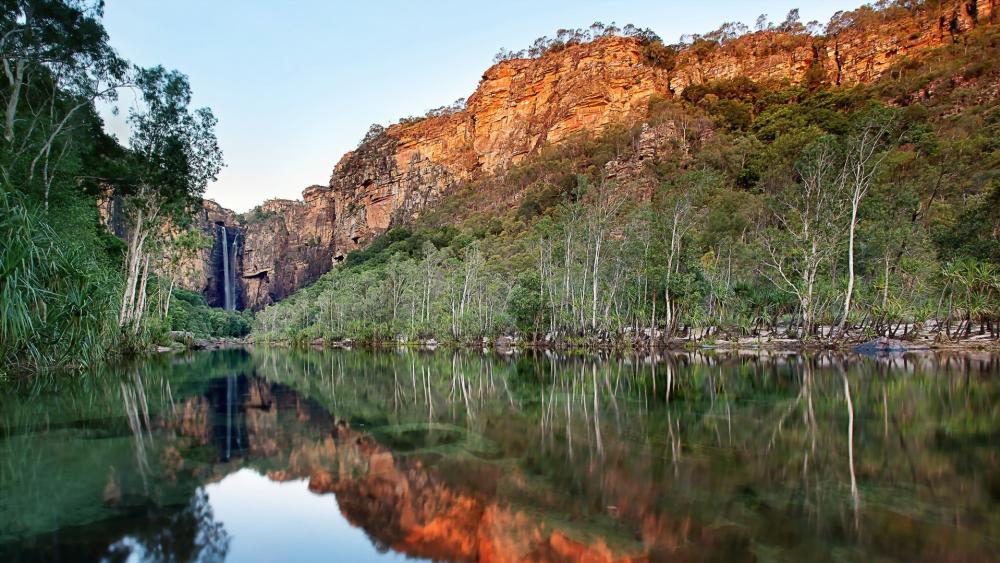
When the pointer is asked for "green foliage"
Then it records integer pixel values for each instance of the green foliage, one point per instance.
(402, 242)
(190, 313)
(174, 148)
(660, 55)
(525, 305)
(56, 300)
(64, 277)
(257, 215)
(568, 37)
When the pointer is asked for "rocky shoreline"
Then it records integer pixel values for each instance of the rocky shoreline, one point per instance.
(913, 339)
(183, 341)
(508, 345)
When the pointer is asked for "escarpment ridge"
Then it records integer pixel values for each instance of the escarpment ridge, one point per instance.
(522, 105)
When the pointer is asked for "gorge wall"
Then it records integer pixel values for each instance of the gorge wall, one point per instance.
(521, 105)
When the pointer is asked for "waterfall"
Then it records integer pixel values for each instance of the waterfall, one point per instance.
(228, 302)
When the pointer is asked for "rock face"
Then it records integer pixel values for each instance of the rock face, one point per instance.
(204, 271)
(860, 46)
(519, 106)
(522, 104)
(288, 245)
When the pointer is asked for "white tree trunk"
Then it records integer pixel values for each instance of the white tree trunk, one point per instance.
(855, 201)
(15, 77)
(597, 262)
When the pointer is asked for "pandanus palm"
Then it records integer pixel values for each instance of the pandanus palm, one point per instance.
(971, 284)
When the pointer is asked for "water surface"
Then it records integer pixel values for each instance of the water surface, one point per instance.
(358, 456)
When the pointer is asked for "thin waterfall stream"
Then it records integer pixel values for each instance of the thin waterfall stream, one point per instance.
(228, 279)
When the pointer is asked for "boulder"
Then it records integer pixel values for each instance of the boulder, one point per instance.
(181, 336)
(883, 345)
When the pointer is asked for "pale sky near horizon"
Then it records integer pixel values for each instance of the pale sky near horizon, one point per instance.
(296, 84)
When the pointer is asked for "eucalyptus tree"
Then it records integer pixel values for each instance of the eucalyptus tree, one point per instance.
(396, 284)
(57, 36)
(862, 163)
(806, 230)
(430, 277)
(57, 62)
(607, 203)
(179, 250)
(174, 155)
(473, 262)
(681, 210)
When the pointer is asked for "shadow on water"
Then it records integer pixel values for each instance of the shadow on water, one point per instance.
(465, 456)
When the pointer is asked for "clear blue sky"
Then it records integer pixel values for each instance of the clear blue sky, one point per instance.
(295, 84)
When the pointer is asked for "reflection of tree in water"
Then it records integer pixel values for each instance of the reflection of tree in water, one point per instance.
(189, 535)
(795, 450)
(800, 454)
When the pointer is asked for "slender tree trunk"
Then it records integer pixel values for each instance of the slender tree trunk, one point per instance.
(132, 269)
(652, 320)
(140, 309)
(52, 137)
(170, 292)
(16, 78)
(885, 287)
(594, 280)
(850, 264)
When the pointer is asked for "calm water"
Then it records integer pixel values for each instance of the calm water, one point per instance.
(354, 456)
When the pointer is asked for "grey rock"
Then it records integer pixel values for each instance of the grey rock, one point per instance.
(883, 345)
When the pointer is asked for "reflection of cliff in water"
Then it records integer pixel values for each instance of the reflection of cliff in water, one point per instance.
(400, 503)
(228, 400)
(406, 506)
(471, 457)
(434, 506)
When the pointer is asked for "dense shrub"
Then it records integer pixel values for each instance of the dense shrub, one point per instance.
(57, 302)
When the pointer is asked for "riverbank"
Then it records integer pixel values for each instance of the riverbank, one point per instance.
(184, 341)
(913, 337)
(510, 344)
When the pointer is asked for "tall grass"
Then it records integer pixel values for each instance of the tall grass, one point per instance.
(57, 299)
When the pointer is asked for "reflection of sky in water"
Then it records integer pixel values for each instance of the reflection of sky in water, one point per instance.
(272, 521)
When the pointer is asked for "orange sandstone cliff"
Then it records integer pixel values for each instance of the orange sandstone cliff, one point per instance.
(521, 105)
